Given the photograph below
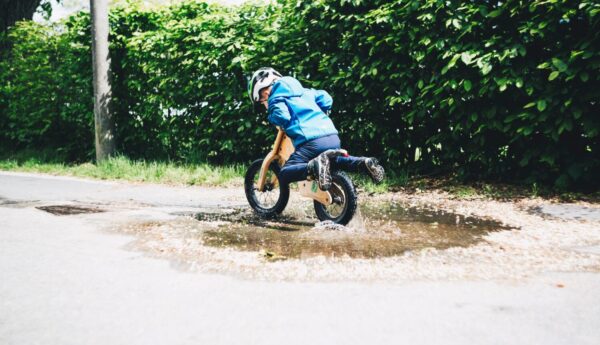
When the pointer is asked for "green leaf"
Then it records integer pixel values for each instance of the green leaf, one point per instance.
(486, 68)
(543, 65)
(584, 76)
(541, 104)
(519, 83)
(467, 58)
(547, 159)
(559, 64)
(456, 23)
(510, 118)
(553, 75)
(529, 105)
(495, 13)
(529, 90)
(467, 85)
(453, 61)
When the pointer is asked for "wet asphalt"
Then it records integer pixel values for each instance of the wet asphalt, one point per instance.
(65, 279)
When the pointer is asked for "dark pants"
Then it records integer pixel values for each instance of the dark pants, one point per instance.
(295, 168)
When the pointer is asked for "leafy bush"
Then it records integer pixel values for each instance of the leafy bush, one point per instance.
(486, 89)
(46, 91)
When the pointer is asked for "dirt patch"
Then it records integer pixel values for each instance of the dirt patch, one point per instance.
(516, 243)
(64, 210)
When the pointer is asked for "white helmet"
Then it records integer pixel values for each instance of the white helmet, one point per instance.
(263, 77)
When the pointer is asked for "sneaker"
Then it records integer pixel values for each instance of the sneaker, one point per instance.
(374, 169)
(318, 169)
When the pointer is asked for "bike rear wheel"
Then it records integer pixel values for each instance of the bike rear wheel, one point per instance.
(344, 203)
(275, 196)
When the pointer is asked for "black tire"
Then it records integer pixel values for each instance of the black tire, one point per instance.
(342, 188)
(255, 198)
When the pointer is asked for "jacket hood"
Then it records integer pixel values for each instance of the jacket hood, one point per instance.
(286, 87)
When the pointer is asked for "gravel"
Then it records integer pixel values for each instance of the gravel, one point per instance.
(538, 243)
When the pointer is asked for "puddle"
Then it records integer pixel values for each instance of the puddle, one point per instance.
(63, 210)
(388, 241)
(388, 230)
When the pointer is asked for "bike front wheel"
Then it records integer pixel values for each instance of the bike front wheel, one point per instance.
(274, 198)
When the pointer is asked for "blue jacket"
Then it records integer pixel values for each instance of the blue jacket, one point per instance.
(299, 111)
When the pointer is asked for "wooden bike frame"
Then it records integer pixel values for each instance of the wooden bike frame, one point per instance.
(282, 150)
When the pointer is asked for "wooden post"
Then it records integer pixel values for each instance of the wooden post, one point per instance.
(103, 119)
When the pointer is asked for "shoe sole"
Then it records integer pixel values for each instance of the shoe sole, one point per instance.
(375, 170)
(324, 172)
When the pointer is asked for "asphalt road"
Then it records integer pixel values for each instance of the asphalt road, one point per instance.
(65, 280)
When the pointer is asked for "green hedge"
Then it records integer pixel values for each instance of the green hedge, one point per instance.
(46, 91)
(487, 90)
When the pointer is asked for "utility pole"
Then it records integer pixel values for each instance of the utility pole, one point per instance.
(103, 119)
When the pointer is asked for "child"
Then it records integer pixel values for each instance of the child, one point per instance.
(301, 113)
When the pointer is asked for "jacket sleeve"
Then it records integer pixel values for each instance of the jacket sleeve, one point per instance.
(279, 114)
(323, 99)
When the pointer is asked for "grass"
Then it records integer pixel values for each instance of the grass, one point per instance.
(122, 168)
(392, 182)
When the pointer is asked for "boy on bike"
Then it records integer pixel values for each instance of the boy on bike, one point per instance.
(302, 114)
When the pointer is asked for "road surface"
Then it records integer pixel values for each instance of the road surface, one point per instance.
(66, 280)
